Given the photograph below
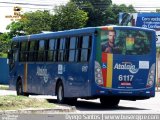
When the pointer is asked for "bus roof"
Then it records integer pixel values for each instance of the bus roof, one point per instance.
(64, 33)
(56, 34)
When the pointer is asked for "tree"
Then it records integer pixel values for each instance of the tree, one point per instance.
(96, 10)
(15, 28)
(35, 22)
(116, 9)
(31, 23)
(102, 12)
(4, 44)
(69, 16)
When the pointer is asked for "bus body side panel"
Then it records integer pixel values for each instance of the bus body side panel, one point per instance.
(76, 79)
(14, 70)
(74, 76)
(13, 76)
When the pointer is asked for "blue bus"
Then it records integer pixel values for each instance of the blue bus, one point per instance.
(108, 62)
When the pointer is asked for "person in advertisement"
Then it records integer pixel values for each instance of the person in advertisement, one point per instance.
(109, 45)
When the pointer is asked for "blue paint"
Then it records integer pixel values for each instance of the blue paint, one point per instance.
(4, 71)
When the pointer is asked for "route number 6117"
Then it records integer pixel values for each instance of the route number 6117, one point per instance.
(125, 78)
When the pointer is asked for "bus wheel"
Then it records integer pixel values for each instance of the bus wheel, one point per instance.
(60, 93)
(19, 88)
(109, 101)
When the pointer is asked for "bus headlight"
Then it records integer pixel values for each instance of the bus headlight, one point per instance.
(151, 76)
(98, 74)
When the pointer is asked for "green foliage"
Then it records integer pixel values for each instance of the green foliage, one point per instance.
(31, 23)
(95, 9)
(69, 17)
(102, 12)
(35, 22)
(4, 44)
(120, 8)
(15, 28)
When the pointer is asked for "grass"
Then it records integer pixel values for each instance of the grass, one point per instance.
(21, 102)
(4, 87)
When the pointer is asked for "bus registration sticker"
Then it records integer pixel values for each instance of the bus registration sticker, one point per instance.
(143, 64)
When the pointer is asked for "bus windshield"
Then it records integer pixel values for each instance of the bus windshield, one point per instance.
(127, 42)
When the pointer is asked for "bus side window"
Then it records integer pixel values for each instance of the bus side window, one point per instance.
(41, 50)
(72, 47)
(78, 49)
(86, 47)
(61, 50)
(51, 49)
(66, 51)
(23, 51)
(31, 50)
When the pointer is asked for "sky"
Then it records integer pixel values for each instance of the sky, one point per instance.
(6, 7)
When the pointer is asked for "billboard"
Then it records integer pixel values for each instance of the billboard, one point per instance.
(146, 20)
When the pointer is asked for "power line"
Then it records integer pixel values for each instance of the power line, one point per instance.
(98, 4)
(29, 7)
(26, 4)
(32, 4)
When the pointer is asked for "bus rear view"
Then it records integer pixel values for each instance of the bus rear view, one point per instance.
(125, 65)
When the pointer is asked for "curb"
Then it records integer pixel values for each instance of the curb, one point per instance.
(40, 110)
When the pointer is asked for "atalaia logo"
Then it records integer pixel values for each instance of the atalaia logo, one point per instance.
(42, 71)
(126, 66)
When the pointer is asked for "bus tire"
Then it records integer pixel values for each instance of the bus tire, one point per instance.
(60, 93)
(19, 88)
(109, 101)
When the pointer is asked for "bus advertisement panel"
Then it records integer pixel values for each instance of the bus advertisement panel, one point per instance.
(110, 63)
(146, 20)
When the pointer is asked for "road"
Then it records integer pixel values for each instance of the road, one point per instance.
(151, 105)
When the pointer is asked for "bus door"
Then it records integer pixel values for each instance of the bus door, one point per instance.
(78, 72)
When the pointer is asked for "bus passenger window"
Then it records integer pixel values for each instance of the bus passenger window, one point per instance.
(66, 51)
(51, 49)
(61, 50)
(31, 50)
(41, 51)
(72, 47)
(56, 51)
(86, 46)
(23, 51)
